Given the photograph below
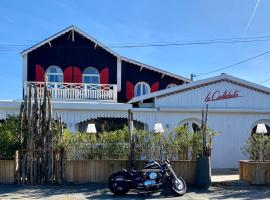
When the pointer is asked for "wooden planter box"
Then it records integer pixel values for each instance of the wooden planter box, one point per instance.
(255, 172)
(98, 171)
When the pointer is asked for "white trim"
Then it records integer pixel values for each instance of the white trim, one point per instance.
(142, 83)
(171, 85)
(25, 68)
(72, 35)
(72, 105)
(71, 28)
(55, 74)
(74, 28)
(197, 83)
(190, 121)
(215, 110)
(119, 74)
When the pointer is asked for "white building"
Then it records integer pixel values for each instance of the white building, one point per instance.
(235, 108)
(88, 81)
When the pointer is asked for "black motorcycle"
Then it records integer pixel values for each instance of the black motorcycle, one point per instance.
(151, 177)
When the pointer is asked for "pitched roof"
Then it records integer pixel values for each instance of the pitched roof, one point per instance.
(74, 28)
(202, 83)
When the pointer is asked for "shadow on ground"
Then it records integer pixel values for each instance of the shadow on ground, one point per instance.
(98, 191)
(242, 192)
(87, 191)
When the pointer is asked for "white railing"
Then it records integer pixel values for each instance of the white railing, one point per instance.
(75, 91)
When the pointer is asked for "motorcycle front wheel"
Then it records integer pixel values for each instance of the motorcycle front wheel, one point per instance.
(178, 186)
(116, 184)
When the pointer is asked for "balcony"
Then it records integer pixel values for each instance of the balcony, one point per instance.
(75, 91)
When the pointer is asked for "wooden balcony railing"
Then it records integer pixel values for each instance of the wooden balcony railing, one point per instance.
(75, 91)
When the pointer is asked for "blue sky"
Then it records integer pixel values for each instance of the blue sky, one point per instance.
(142, 21)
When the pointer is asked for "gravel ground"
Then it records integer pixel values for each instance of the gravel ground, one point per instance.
(97, 191)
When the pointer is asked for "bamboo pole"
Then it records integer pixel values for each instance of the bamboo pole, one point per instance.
(36, 159)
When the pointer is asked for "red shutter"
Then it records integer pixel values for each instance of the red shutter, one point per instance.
(155, 87)
(104, 76)
(39, 73)
(129, 90)
(68, 75)
(77, 75)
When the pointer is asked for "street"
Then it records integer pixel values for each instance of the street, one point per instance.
(97, 191)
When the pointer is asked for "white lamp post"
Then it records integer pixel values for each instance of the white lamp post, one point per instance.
(91, 128)
(261, 129)
(158, 128)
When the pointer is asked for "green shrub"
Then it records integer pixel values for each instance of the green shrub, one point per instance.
(257, 147)
(107, 145)
(183, 138)
(196, 144)
(9, 137)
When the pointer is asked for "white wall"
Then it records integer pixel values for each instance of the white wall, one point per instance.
(233, 117)
(196, 98)
(234, 128)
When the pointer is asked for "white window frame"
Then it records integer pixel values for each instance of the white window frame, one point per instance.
(59, 74)
(140, 84)
(189, 122)
(91, 75)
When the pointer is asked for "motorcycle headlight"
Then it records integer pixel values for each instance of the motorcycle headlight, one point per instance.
(153, 175)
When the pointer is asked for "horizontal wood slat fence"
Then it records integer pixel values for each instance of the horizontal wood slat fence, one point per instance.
(97, 171)
(256, 173)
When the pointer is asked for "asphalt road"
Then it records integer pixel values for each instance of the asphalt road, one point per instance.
(97, 191)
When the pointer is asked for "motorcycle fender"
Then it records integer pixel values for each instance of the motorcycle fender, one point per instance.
(126, 175)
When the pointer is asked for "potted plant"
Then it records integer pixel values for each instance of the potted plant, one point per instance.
(256, 170)
(203, 163)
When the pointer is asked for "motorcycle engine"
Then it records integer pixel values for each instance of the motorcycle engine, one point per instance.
(152, 178)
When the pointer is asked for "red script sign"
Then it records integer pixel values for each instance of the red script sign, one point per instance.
(218, 95)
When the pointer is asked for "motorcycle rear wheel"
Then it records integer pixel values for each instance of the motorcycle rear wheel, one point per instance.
(115, 187)
(178, 186)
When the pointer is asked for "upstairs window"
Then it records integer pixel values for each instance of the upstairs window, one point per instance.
(54, 74)
(91, 76)
(141, 88)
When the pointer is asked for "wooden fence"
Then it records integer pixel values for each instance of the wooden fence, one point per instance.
(256, 173)
(7, 171)
(98, 171)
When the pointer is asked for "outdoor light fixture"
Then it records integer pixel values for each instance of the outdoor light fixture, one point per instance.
(91, 128)
(158, 128)
(261, 128)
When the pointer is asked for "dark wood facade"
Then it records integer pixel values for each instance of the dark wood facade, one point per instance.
(74, 53)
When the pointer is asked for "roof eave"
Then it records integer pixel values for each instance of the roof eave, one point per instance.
(199, 82)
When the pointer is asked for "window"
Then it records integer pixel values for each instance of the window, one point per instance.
(91, 76)
(141, 88)
(171, 85)
(54, 74)
(193, 125)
